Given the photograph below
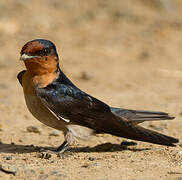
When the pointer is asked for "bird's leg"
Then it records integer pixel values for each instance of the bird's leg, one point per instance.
(63, 147)
(66, 145)
(46, 154)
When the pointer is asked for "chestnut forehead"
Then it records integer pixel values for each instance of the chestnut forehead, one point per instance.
(32, 47)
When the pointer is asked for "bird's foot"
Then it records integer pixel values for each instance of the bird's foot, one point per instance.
(46, 153)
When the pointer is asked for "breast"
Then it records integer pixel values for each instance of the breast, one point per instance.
(37, 109)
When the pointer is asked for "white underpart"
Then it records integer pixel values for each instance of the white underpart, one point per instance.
(80, 132)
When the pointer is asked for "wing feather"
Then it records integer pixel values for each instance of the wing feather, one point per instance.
(72, 104)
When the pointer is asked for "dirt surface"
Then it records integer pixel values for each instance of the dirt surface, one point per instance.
(126, 53)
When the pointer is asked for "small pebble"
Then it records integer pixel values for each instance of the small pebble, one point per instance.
(33, 129)
(180, 152)
(85, 75)
(20, 140)
(9, 158)
(85, 166)
(52, 161)
(144, 55)
(91, 158)
(54, 133)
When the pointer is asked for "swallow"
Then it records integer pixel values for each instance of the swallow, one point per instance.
(55, 101)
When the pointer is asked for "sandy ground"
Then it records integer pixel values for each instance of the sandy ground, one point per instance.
(126, 53)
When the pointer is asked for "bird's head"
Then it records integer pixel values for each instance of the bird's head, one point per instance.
(40, 56)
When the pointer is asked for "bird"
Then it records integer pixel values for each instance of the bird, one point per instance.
(55, 101)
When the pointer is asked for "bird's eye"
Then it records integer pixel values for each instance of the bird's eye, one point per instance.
(45, 51)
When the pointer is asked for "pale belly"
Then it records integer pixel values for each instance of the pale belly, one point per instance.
(40, 112)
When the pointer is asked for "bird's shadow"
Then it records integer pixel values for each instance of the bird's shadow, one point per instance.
(106, 147)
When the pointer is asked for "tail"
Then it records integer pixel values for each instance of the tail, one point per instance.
(142, 134)
(136, 117)
(126, 126)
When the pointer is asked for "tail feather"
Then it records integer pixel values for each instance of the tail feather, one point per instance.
(136, 132)
(125, 125)
(136, 116)
(147, 135)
